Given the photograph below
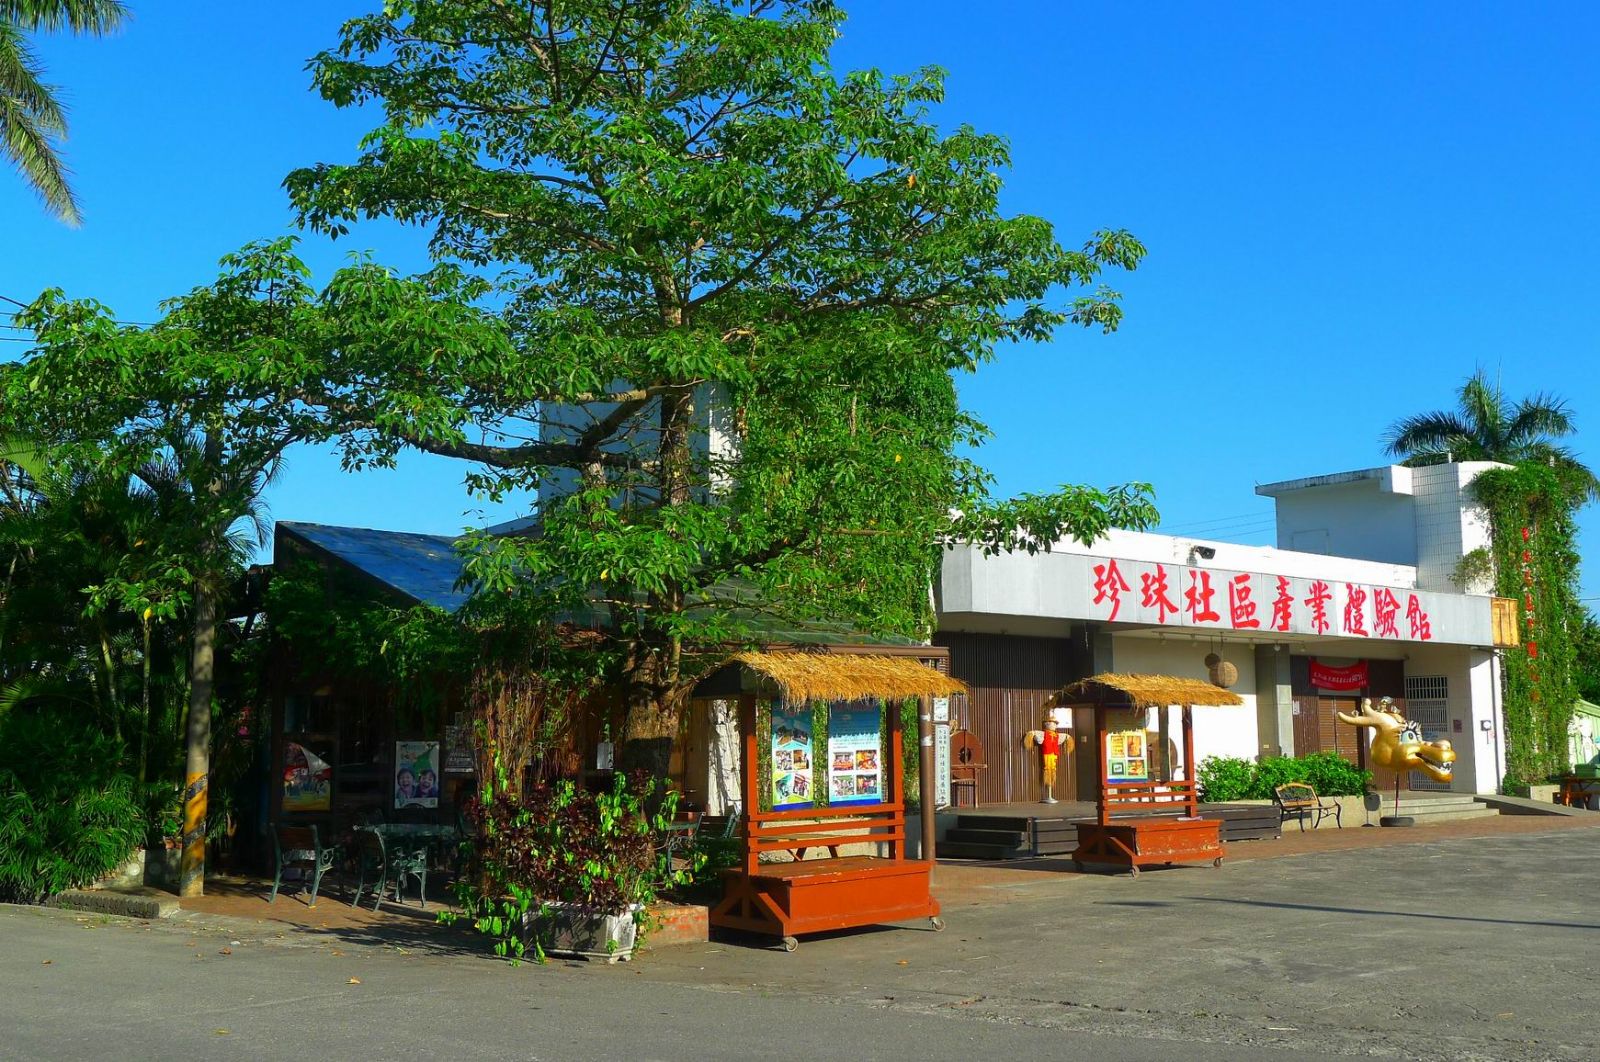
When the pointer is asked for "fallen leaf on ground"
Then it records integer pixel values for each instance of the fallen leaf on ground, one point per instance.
(336, 951)
(220, 1032)
(353, 981)
(226, 951)
(47, 962)
(902, 962)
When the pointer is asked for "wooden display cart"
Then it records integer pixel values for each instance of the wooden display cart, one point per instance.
(801, 895)
(1151, 822)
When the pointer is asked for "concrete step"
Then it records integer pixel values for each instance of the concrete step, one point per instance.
(958, 850)
(992, 822)
(1003, 838)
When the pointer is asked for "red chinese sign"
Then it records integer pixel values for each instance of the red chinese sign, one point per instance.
(1342, 679)
(1162, 594)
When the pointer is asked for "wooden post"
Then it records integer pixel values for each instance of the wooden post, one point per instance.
(927, 763)
(1192, 801)
(1100, 754)
(749, 775)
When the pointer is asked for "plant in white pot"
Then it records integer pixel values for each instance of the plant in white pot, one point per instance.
(562, 871)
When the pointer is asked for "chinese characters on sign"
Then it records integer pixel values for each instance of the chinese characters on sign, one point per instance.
(1183, 595)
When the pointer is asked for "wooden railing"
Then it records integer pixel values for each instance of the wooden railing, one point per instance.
(805, 828)
(1135, 797)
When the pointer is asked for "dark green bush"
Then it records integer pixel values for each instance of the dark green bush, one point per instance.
(1224, 778)
(68, 814)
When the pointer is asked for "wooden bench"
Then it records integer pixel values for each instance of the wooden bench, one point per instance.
(830, 892)
(1300, 800)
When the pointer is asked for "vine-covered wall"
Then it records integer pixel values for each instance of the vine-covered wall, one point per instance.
(1531, 510)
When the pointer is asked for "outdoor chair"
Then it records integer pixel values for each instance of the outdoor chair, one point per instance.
(1301, 801)
(389, 864)
(300, 848)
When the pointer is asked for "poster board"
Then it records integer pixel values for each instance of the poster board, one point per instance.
(1127, 756)
(307, 777)
(416, 774)
(459, 755)
(792, 769)
(855, 754)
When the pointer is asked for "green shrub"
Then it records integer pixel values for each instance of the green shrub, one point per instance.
(68, 814)
(1224, 778)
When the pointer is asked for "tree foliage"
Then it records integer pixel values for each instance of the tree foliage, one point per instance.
(1486, 426)
(737, 288)
(32, 119)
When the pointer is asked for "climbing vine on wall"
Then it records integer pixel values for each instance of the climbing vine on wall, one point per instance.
(1531, 511)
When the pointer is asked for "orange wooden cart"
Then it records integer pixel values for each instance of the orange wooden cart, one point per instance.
(827, 891)
(1153, 822)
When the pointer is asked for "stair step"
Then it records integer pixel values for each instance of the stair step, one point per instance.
(992, 822)
(1005, 838)
(957, 850)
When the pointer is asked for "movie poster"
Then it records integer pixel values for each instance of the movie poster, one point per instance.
(855, 754)
(791, 756)
(307, 779)
(416, 774)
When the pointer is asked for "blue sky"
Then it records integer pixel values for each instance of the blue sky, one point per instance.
(1347, 210)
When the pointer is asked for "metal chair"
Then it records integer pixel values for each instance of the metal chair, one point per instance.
(388, 864)
(300, 848)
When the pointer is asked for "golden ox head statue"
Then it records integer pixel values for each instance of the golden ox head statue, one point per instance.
(1397, 742)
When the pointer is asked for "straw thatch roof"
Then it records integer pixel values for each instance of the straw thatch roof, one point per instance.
(803, 677)
(1144, 691)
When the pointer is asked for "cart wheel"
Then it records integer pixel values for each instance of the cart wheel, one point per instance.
(937, 923)
(1217, 862)
(1133, 871)
(790, 944)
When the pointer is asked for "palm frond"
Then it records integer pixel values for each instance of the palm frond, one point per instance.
(22, 79)
(1425, 434)
(33, 152)
(94, 17)
(1483, 408)
(1540, 417)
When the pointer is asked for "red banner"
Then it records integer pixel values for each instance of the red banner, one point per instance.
(1346, 679)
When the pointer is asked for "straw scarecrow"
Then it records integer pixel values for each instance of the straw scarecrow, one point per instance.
(1051, 744)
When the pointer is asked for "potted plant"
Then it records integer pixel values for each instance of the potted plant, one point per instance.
(559, 870)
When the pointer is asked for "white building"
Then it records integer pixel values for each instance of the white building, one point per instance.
(1358, 599)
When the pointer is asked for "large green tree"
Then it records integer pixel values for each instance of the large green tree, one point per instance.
(1487, 426)
(738, 287)
(32, 120)
(202, 407)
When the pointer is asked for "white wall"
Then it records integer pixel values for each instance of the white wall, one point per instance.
(1218, 730)
(1358, 519)
(1480, 756)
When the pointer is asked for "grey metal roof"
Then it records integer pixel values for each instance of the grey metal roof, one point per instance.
(424, 568)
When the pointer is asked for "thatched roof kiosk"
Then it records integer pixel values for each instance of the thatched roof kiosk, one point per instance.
(1145, 839)
(802, 677)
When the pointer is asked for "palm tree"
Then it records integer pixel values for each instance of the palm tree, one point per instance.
(1486, 427)
(32, 120)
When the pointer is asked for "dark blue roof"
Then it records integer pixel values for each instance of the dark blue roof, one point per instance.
(422, 567)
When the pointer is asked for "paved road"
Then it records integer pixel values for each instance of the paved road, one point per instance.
(1460, 950)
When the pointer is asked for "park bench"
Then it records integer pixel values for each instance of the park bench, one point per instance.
(825, 892)
(1300, 800)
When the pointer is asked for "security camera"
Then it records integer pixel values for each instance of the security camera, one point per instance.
(1203, 552)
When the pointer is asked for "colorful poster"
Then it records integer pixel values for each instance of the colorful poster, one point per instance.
(1125, 757)
(855, 754)
(416, 774)
(791, 756)
(307, 779)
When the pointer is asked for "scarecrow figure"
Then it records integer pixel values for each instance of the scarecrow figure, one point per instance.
(1051, 743)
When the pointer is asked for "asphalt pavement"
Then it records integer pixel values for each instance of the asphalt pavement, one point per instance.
(1466, 949)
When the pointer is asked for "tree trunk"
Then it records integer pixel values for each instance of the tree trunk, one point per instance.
(197, 752)
(648, 732)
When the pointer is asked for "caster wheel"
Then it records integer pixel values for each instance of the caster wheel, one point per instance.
(937, 923)
(1133, 872)
(790, 944)
(1217, 862)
